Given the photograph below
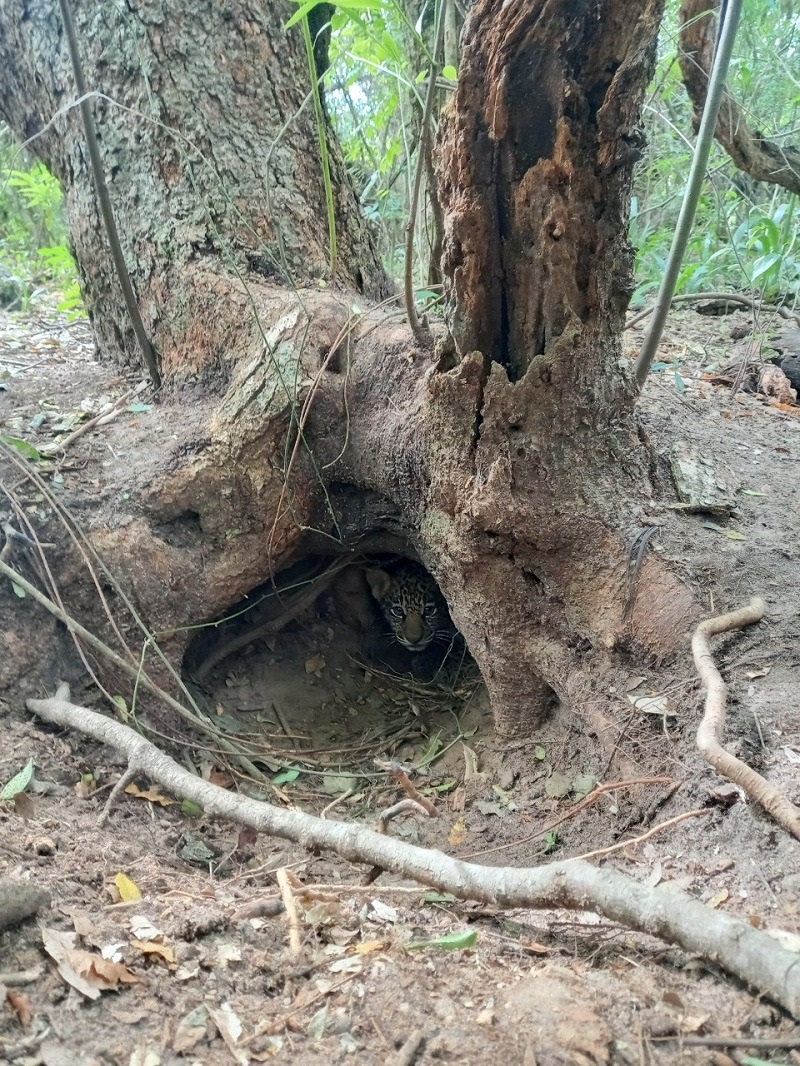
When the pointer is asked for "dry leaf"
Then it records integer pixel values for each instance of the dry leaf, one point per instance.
(143, 929)
(105, 973)
(693, 1023)
(316, 664)
(24, 805)
(19, 1004)
(719, 898)
(191, 1030)
(150, 947)
(87, 973)
(230, 1029)
(223, 780)
(366, 947)
(151, 794)
(458, 832)
(128, 891)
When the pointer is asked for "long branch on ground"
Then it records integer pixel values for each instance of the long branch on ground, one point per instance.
(747, 953)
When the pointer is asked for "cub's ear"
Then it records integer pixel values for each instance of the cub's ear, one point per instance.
(379, 582)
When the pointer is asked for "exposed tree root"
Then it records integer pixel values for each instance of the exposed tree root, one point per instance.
(664, 911)
(709, 735)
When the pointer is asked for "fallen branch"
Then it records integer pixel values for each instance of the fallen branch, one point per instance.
(709, 735)
(664, 911)
(719, 297)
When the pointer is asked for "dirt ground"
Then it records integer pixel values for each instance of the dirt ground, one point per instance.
(184, 976)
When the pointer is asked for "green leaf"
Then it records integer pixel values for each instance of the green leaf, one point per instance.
(139, 408)
(451, 942)
(18, 783)
(751, 492)
(17, 590)
(285, 777)
(680, 384)
(764, 264)
(119, 702)
(301, 13)
(437, 897)
(345, 5)
(734, 534)
(191, 809)
(450, 72)
(22, 447)
(550, 841)
(539, 753)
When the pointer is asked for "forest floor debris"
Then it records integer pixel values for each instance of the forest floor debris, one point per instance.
(555, 986)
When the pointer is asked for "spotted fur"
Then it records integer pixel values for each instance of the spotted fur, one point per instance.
(411, 604)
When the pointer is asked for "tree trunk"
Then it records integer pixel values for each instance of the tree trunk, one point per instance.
(750, 150)
(507, 460)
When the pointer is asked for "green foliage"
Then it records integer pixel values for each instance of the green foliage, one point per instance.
(379, 53)
(33, 233)
(745, 233)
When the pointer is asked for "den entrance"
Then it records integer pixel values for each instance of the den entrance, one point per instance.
(332, 664)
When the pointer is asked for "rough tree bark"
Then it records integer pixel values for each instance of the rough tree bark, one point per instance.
(750, 150)
(508, 460)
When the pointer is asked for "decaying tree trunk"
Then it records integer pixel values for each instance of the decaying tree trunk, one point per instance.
(507, 459)
(750, 150)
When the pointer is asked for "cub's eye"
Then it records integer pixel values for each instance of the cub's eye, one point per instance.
(430, 612)
(396, 611)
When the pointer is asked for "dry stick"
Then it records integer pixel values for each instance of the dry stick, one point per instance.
(116, 409)
(670, 822)
(420, 335)
(698, 297)
(76, 629)
(104, 200)
(664, 911)
(709, 735)
(287, 895)
(594, 795)
(294, 608)
(691, 196)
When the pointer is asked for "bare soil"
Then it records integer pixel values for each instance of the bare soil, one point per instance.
(540, 988)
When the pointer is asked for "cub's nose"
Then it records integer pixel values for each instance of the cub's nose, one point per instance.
(413, 627)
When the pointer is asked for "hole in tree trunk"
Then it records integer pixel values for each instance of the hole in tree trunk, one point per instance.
(333, 648)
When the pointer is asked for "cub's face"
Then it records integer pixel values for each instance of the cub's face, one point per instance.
(408, 600)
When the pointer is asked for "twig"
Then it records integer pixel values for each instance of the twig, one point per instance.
(691, 196)
(404, 806)
(750, 954)
(118, 788)
(594, 795)
(287, 895)
(142, 679)
(274, 625)
(407, 1055)
(645, 836)
(710, 732)
(731, 1041)
(116, 409)
(420, 335)
(399, 774)
(104, 200)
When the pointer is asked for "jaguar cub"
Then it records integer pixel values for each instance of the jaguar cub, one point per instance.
(411, 603)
